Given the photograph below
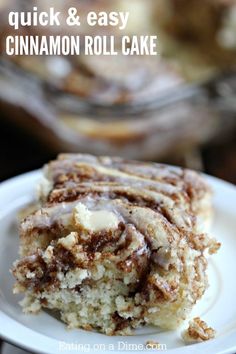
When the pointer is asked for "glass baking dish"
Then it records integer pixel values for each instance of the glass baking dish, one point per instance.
(173, 121)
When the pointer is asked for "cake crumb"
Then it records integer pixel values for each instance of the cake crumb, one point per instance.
(151, 344)
(198, 331)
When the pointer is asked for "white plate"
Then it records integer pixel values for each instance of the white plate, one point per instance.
(45, 334)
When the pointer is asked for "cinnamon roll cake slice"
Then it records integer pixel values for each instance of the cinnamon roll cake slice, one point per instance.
(115, 244)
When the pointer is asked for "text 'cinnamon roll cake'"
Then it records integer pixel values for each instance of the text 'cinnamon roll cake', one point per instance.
(115, 244)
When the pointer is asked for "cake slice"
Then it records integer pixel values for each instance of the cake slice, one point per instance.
(115, 244)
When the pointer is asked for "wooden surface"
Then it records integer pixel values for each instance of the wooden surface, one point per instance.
(19, 153)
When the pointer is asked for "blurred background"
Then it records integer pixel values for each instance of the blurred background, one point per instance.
(178, 108)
